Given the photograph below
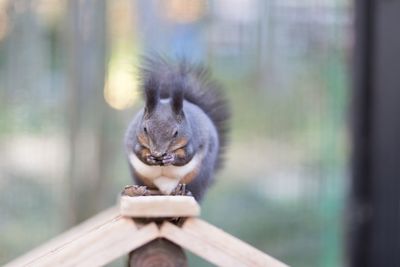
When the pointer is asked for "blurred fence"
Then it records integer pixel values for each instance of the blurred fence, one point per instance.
(68, 89)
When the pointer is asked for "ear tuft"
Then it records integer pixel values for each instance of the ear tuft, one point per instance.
(177, 95)
(151, 90)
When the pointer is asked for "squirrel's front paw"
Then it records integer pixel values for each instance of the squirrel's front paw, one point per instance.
(163, 161)
(151, 160)
(168, 159)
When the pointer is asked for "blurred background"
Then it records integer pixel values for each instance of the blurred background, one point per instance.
(68, 89)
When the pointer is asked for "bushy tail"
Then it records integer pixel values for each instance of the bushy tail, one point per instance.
(200, 89)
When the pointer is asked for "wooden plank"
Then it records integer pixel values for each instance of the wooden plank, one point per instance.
(95, 242)
(159, 206)
(198, 247)
(101, 245)
(53, 244)
(215, 245)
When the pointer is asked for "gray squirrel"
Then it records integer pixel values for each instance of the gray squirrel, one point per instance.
(181, 133)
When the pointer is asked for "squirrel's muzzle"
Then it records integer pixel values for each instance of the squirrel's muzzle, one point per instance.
(159, 149)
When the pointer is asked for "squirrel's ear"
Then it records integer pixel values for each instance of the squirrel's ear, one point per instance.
(151, 90)
(177, 98)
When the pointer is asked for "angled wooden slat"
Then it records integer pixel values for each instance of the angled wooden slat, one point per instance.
(100, 246)
(159, 206)
(198, 247)
(75, 232)
(230, 244)
(216, 246)
(95, 242)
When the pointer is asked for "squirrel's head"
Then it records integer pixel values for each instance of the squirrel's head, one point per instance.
(164, 128)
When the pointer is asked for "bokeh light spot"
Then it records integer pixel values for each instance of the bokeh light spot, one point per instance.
(121, 87)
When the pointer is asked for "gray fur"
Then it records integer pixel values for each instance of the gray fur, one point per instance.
(195, 118)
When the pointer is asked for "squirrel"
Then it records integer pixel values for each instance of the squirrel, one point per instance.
(179, 136)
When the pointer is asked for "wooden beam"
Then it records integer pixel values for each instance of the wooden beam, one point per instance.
(216, 246)
(71, 234)
(101, 245)
(159, 206)
(95, 243)
(105, 245)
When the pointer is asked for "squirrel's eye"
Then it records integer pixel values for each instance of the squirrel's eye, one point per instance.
(145, 130)
(175, 133)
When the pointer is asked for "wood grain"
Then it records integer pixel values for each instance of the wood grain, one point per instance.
(216, 246)
(95, 243)
(159, 206)
(158, 253)
(73, 233)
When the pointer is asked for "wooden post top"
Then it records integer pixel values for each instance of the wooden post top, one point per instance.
(138, 202)
(159, 206)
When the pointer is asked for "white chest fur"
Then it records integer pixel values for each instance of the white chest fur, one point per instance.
(165, 178)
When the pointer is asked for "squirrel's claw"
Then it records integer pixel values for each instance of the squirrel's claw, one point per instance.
(180, 190)
(168, 159)
(152, 160)
(135, 190)
(165, 160)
